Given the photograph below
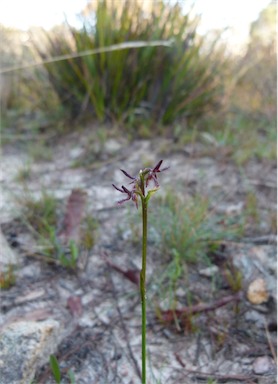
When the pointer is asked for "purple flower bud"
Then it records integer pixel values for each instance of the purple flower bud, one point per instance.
(139, 183)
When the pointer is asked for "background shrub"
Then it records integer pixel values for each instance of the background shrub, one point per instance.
(157, 84)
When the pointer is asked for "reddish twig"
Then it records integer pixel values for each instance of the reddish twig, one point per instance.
(270, 344)
(170, 315)
(179, 360)
(223, 378)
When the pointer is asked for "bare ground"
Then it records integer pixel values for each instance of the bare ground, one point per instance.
(98, 308)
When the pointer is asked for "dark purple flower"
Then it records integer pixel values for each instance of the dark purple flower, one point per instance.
(152, 173)
(140, 183)
(130, 195)
(126, 174)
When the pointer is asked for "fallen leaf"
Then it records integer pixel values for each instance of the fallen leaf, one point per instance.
(73, 216)
(257, 292)
(37, 315)
(29, 296)
(74, 305)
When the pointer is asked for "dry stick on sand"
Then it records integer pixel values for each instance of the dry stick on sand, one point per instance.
(171, 315)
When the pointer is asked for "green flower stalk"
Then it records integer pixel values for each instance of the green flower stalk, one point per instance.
(140, 189)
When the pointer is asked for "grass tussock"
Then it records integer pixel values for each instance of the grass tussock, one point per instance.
(151, 84)
(188, 231)
(41, 218)
(192, 88)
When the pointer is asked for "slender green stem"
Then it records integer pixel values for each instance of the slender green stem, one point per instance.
(143, 285)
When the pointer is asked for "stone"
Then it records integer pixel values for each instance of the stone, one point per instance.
(230, 209)
(263, 365)
(255, 317)
(7, 255)
(112, 146)
(76, 152)
(24, 347)
(266, 256)
(210, 271)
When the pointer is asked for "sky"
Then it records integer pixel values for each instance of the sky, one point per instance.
(236, 14)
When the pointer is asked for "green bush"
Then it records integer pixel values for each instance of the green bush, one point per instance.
(190, 229)
(151, 83)
(187, 232)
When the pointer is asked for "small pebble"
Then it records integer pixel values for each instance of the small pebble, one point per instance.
(210, 271)
(263, 365)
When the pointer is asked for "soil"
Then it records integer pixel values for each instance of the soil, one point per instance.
(227, 340)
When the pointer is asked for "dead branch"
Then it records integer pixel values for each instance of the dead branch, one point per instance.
(170, 315)
(221, 378)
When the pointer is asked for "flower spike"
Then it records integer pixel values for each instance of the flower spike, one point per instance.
(140, 183)
(140, 189)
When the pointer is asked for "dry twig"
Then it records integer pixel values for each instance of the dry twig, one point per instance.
(169, 315)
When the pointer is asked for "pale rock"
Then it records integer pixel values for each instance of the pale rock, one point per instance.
(127, 235)
(112, 146)
(24, 347)
(210, 271)
(76, 152)
(263, 365)
(256, 317)
(181, 292)
(7, 255)
(32, 270)
(266, 257)
(87, 298)
(104, 312)
(230, 209)
(87, 320)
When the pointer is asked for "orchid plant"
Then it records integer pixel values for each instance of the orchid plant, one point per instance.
(140, 189)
